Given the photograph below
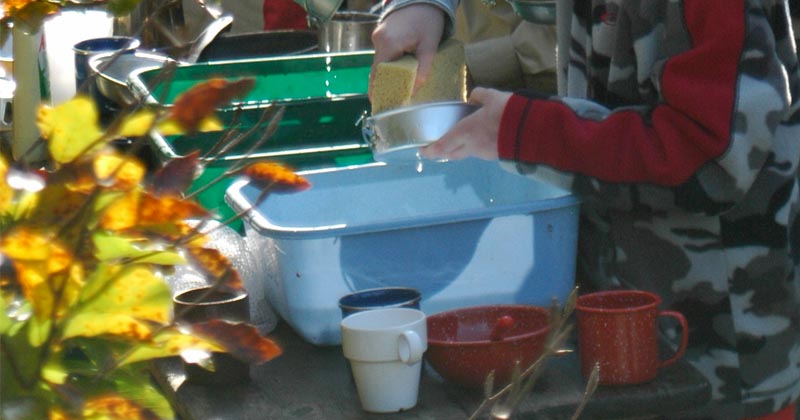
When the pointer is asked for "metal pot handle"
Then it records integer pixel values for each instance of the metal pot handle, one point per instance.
(367, 129)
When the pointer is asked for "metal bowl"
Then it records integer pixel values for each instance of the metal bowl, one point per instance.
(112, 75)
(536, 11)
(395, 135)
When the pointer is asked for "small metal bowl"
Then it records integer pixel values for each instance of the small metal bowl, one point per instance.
(112, 76)
(395, 135)
(536, 11)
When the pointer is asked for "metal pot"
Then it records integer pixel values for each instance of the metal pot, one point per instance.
(347, 31)
(112, 76)
(395, 135)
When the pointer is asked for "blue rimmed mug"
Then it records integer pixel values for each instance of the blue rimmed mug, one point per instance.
(377, 298)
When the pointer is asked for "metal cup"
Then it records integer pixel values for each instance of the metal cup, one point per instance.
(86, 48)
(203, 304)
(347, 31)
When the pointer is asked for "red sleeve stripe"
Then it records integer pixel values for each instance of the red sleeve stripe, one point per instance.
(692, 127)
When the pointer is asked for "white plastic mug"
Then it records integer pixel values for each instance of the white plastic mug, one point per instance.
(385, 349)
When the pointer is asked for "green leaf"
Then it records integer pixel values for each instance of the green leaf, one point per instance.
(133, 383)
(97, 280)
(19, 360)
(38, 331)
(113, 246)
(127, 305)
(5, 321)
(15, 311)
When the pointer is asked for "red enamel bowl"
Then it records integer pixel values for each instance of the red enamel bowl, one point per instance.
(462, 349)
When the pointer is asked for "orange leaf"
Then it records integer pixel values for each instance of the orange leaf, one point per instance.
(168, 209)
(193, 106)
(239, 339)
(216, 266)
(276, 177)
(116, 407)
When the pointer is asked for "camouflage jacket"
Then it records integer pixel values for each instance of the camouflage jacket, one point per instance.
(678, 125)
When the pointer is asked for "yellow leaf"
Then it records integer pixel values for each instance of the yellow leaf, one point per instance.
(94, 324)
(126, 306)
(171, 127)
(6, 192)
(121, 213)
(137, 124)
(114, 246)
(49, 276)
(54, 373)
(170, 342)
(210, 124)
(125, 171)
(71, 128)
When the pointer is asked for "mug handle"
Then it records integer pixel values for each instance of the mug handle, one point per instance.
(684, 336)
(409, 347)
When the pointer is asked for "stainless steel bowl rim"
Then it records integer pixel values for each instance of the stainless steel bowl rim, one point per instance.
(145, 60)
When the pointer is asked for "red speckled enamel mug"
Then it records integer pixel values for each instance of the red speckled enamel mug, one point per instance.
(617, 329)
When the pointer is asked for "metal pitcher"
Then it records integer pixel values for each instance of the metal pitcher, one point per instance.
(319, 11)
(347, 31)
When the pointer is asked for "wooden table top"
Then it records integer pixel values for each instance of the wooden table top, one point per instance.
(314, 382)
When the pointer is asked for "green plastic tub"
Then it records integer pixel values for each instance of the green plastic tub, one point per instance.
(324, 96)
(286, 79)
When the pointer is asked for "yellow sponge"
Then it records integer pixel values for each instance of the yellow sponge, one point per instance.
(447, 80)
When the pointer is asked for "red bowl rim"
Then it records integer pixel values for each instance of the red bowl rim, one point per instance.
(443, 343)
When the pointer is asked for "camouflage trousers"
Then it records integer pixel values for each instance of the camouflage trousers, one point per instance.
(744, 334)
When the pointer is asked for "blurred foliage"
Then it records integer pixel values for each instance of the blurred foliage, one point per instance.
(88, 238)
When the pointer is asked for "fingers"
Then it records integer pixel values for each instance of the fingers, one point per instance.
(425, 55)
(387, 48)
(475, 135)
(453, 145)
(415, 29)
(479, 96)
